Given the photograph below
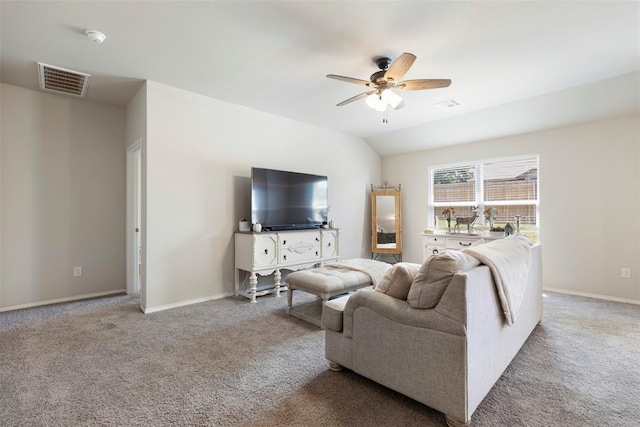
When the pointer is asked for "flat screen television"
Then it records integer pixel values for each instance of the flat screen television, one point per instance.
(282, 200)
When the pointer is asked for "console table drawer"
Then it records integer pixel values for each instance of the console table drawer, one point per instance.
(435, 240)
(300, 253)
(459, 242)
(297, 239)
(299, 246)
(436, 243)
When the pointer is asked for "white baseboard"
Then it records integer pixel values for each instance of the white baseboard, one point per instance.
(183, 303)
(59, 300)
(596, 296)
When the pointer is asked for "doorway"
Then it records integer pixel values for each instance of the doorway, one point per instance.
(134, 219)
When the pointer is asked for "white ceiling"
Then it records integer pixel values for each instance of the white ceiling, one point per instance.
(273, 56)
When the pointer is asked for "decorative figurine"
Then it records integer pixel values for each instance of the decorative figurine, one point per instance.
(508, 229)
(467, 220)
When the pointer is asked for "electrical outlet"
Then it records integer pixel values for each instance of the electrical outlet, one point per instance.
(77, 271)
(626, 273)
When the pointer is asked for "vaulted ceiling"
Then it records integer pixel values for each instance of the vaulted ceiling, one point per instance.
(502, 58)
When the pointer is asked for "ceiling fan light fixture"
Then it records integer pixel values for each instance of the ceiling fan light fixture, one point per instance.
(375, 101)
(391, 98)
(380, 101)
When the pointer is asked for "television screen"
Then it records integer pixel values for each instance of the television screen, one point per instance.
(282, 200)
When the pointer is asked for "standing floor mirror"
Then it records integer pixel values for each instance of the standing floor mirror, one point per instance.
(386, 221)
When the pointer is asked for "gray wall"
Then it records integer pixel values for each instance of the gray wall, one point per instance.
(63, 191)
(62, 199)
(589, 204)
(199, 154)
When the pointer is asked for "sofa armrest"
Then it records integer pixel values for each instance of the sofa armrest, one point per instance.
(398, 311)
(455, 301)
(332, 313)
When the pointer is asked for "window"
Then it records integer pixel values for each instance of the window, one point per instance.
(510, 186)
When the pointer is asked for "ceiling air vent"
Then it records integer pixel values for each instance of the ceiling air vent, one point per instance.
(449, 103)
(61, 80)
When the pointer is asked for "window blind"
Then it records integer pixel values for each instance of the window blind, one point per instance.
(455, 184)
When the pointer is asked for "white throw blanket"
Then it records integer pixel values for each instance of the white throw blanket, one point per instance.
(509, 261)
(375, 269)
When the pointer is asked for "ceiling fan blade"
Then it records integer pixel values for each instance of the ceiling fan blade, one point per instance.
(422, 84)
(351, 80)
(399, 67)
(355, 98)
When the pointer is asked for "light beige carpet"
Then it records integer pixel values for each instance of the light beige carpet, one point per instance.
(228, 362)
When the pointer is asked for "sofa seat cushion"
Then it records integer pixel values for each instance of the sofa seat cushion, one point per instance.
(398, 279)
(333, 312)
(434, 277)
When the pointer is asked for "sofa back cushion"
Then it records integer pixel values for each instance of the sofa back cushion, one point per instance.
(434, 277)
(398, 279)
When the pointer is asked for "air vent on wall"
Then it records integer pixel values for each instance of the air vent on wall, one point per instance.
(61, 80)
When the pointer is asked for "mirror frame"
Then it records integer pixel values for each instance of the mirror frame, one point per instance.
(385, 190)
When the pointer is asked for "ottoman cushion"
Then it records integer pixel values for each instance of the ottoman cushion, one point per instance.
(328, 281)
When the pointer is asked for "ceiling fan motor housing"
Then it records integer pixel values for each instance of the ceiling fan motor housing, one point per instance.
(383, 63)
(376, 76)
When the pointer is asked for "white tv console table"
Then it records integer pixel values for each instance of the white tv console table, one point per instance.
(432, 244)
(266, 253)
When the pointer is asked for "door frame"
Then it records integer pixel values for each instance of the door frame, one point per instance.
(134, 196)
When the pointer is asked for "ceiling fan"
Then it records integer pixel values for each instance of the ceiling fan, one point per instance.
(383, 83)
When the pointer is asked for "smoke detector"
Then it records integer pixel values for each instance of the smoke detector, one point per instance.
(96, 36)
(61, 80)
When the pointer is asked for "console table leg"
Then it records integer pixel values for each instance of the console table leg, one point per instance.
(253, 284)
(276, 280)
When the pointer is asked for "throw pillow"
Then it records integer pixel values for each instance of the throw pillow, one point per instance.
(434, 277)
(398, 279)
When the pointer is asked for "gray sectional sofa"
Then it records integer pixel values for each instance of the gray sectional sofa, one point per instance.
(448, 356)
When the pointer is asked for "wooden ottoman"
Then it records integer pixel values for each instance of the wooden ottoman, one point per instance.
(324, 282)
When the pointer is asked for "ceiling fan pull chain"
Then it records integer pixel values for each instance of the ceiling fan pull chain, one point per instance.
(384, 117)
